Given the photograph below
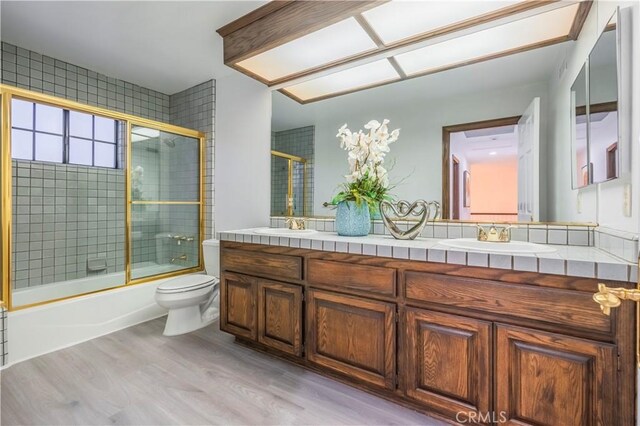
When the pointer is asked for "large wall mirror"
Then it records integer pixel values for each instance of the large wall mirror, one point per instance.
(595, 124)
(489, 140)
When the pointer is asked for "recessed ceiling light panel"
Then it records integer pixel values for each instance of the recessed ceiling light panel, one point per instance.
(335, 42)
(373, 73)
(398, 20)
(523, 33)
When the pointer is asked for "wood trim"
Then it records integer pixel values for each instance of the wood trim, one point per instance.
(446, 152)
(251, 17)
(369, 30)
(580, 18)
(394, 63)
(595, 108)
(469, 23)
(288, 22)
(333, 95)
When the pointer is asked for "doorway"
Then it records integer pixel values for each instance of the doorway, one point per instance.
(480, 171)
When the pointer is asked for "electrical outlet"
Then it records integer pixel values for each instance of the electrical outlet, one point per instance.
(579, 202)
(626, 202)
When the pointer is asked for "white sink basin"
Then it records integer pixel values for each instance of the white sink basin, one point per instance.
(284, 232)
(513, 247)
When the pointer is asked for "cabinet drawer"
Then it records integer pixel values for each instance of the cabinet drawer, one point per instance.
(345, 276)
(571, 308)
(262, 264)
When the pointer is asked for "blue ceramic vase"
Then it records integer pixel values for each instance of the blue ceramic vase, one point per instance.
(353, 220)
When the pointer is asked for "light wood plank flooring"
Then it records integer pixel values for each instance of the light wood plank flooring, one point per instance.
(139, 377)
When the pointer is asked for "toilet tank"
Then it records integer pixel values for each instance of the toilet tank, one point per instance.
(211, 253)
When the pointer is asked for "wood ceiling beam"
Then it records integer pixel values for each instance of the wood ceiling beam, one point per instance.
(260, 31)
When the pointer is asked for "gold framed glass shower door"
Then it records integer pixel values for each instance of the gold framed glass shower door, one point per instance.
(173, 210)
(165, 202)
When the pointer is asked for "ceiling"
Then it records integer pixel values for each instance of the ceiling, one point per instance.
(166, 46)
(491, 147)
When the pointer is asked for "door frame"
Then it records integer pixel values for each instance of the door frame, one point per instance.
(455, 188)
(446, 152)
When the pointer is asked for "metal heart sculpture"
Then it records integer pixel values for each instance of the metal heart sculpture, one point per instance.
(403, 209)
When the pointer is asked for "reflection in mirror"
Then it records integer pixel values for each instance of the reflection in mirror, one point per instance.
(603, 106)
(475, 138)
(579, 129)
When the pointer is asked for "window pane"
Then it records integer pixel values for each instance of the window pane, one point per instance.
(80, 151)
(48, 148)
(80, 124)
(105, 129)
(48, 119)
(105, 155)
(21, 114)
(22, 144)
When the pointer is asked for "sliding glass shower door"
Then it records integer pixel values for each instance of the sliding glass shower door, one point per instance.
(165, 202)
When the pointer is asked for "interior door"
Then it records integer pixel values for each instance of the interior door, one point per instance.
(529, 163)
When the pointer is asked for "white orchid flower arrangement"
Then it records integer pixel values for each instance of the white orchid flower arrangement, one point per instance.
(368, 179)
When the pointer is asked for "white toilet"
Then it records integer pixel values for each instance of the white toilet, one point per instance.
(192, 300)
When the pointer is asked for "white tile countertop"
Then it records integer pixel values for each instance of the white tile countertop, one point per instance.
(578, 261)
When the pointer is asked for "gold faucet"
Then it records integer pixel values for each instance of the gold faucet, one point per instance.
(181, 257)
(608, 297)
(296, 224)
(494, 234)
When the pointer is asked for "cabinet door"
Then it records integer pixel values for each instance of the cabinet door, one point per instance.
(353, 336)
(280, 316)
(448, 361)
(550, 379)
(238, 305)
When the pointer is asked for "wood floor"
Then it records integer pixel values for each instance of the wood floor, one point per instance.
(139, 377)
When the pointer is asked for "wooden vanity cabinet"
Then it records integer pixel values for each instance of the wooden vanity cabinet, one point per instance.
(353, 336)
(550, 379)
(261, 310)
(280, 316)
(498, 346)
(238, 303)
(448, 361)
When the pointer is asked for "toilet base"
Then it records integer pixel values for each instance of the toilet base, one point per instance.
(185, 320)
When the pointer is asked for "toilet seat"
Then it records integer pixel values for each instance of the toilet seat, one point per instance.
(186, 283)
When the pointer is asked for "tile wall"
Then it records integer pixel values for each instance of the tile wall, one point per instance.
(298, 142)
(195, 108)
(64, 216)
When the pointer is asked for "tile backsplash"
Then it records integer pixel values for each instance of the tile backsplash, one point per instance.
(535, 233)
(623, 245)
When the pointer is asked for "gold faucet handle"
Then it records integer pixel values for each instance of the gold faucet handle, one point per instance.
(606, 299)
(482, 233)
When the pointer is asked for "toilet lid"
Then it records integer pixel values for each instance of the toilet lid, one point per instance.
(186, 283)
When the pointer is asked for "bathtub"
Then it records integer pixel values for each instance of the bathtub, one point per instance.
(91, 284)
(52, 326)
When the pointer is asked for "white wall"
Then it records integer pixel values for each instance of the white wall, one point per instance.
(242, 153)
(418, 152)
(602, 203)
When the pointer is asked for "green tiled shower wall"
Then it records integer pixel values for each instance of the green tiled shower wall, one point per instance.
(298, 142)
